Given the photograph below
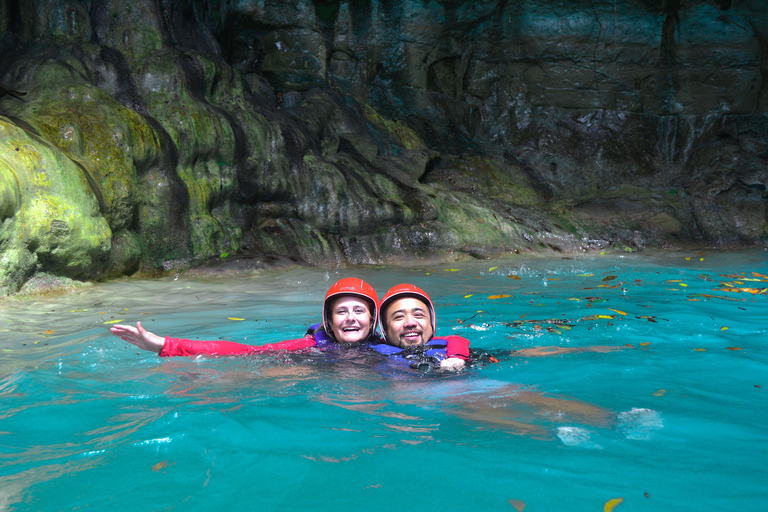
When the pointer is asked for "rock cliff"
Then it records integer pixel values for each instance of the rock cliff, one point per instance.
(153, 134)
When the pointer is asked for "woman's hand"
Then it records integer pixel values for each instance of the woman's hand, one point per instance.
(452, 363)
(139, 336)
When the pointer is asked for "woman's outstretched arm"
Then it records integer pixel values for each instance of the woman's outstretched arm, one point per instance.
(139, 336)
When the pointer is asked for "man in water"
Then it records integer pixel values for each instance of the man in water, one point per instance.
(408, 322)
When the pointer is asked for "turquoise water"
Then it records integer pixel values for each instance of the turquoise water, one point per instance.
(89, 422)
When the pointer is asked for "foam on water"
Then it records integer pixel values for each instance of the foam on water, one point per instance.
(648, 386)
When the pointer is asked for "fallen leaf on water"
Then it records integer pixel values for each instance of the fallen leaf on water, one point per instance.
(609, 278)
(498, 296)
(629, 345)
(160, 465)
(468, 296)
(700, 349)
(649, 318)
(606, 317)
(574, 298)
(514, 277)
(612, 503)
(585, 275)
(723, 328)
(709, 296)
(49, 331)
(617, 311)
(112, 321)
(645, 343)
(492, 269)
(684, 285)
(451, 269)
(565, 327)
(519, 505)
(235, 319)
(733, 348)
(688, 259)
(660, 392)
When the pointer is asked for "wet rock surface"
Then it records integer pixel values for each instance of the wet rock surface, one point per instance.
(150, 136)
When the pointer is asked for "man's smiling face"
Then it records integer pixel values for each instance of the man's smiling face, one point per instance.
(407, 323)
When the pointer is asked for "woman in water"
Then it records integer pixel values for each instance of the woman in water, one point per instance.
(349, 318)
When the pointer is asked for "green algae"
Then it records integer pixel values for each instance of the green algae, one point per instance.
(56, 222)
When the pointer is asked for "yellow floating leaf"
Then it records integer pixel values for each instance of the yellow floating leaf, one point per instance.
(733, 348)
(660, 392)
(574, 298)
(160, 465)
(468, 296)
(498, 296)
(514, 277)
(565, 327)
(700, 349)
(553, 279)
(617, 311)
(723, 328)
(112, 321)
(492, 269)
(235, 319)
(684, 285)
(49, 331)
(612, 503)
(586, 275)
(519, 505)
(645, 343)
(701, 259)
(607, 317)
(688, 259)
(451, 269)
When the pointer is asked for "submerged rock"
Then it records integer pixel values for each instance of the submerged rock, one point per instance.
(154, 135)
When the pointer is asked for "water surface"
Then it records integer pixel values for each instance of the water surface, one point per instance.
(657, 394)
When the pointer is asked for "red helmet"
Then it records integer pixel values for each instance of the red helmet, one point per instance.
(406, 290)
(351, 286)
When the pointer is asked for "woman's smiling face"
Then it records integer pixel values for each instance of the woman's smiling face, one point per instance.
(351, 319)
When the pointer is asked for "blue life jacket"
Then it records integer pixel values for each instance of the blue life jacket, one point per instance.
(423, 358)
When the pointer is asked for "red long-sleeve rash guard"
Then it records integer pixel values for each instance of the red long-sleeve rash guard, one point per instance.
(182, 347)
(456, 346)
